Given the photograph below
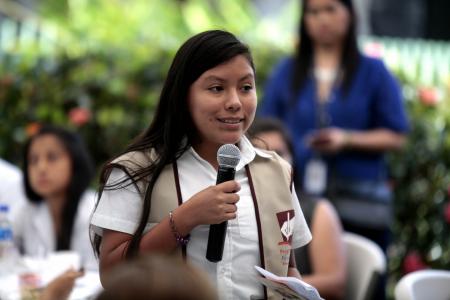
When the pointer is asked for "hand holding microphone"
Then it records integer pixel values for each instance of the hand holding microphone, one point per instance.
(214, 204)
(228, 157)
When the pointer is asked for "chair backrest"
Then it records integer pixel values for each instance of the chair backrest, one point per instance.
(365, 263)
(424, 285)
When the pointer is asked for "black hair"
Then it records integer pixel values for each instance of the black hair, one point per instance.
(269, 124)
(82, 174)
(303, 58)
(172, 130)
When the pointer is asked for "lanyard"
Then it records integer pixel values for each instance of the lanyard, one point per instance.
(323, 117)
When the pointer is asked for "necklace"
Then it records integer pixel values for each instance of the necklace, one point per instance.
(325, 74)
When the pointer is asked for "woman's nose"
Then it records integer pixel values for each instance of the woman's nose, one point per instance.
(41, 165)
(233, 101)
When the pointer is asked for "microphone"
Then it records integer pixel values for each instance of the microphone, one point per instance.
(228, 156)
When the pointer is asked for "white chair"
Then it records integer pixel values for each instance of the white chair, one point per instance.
(424, 285)
(365, 263)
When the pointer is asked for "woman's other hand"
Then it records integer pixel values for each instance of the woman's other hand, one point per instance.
(61, 287)
(329, 140)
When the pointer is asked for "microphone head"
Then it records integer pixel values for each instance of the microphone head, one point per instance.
(228, 156)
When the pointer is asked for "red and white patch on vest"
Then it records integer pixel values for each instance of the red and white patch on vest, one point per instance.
(286, 222)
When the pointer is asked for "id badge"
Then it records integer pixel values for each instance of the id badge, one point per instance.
(315, 180)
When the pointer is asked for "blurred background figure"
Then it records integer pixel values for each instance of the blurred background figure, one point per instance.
(157, 277)
(344, 111)
(322, 262)
(270, 134)
(11, 187)
(57, 172)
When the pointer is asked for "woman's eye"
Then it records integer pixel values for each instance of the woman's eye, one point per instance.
(330, 9)
(312, 11)
(247, 87)
(215, 88)
(53, 156)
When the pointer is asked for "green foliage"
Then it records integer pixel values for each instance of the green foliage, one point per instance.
(420, 172)
(100, 65)
(421, 178)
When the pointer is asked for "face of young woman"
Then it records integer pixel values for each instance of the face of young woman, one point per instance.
(49, 166)
(327, 21)
(222, 102)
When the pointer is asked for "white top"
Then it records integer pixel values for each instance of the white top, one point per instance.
(11, 187)
(235, 275)
(34, 231)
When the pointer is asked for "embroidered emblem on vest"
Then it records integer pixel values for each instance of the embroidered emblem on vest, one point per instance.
(286, 223)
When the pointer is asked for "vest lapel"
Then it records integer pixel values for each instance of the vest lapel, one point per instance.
(273, 209)
(274, 212)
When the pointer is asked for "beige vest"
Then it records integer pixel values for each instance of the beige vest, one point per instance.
(270, 182)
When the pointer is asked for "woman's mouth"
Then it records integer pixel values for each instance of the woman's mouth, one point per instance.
(230, 120)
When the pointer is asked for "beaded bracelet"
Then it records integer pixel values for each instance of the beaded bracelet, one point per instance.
(182, 241)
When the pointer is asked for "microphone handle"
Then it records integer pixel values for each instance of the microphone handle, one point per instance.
(217, 232)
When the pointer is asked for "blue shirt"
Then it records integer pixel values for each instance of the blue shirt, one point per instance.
(373, 101)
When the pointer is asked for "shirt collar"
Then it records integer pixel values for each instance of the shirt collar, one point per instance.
(248, 153)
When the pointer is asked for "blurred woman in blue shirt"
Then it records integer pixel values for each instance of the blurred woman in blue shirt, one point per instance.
(344, 111)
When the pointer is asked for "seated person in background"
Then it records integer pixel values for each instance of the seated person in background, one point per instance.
(11, 187)
(157, 277)
(323, 261)
(57, 171)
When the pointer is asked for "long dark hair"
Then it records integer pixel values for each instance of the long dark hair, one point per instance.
(82, 174)
(303, 58)
(172, 130)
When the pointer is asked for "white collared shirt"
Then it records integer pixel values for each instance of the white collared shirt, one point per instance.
(34, 230)
(235, 274)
